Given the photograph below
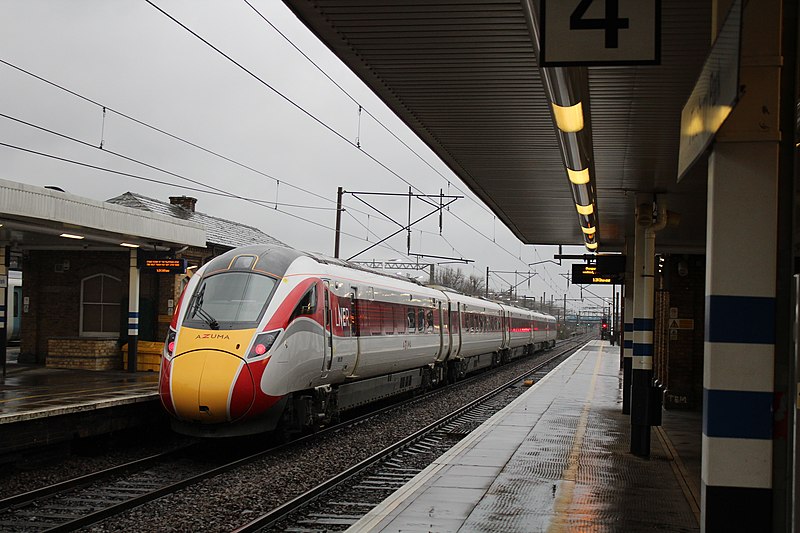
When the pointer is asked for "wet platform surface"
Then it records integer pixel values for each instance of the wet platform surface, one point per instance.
(33, 391)
(557, 459)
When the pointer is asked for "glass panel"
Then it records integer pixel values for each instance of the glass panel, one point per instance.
(91, 317)
(400, 322)
(112, 290)
(230, 297)
(412, 320)
(387, 318)
(110, 319)
(92, 289)
(244, 262)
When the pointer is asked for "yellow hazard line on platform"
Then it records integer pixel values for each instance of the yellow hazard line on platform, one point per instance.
(570, 473)
(690, 490)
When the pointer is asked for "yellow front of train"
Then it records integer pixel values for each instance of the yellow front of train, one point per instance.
(215, 356)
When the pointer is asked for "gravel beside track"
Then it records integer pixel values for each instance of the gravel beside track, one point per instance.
(16, 478)
(233, 499)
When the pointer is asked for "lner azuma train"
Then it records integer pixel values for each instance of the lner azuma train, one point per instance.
(268, 337)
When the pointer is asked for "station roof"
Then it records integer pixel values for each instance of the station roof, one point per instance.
(218, 230)
(37, 217)
(464, 76)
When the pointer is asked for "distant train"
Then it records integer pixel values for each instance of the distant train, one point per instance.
(268, 337)
(13, 305)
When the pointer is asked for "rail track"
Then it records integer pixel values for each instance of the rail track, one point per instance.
(90, 499)
(340, 501)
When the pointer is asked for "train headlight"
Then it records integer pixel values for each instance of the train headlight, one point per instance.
(169, 344)
(263, 343)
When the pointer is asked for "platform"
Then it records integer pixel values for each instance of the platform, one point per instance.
(40, 405)
(557, 459)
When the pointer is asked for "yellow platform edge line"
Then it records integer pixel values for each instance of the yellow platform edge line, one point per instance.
(689, 489)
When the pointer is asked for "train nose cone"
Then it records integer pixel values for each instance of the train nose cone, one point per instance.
(211, 386)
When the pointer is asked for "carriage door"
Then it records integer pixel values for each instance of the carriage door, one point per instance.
(355, 325)
(328, 349)
(455, 328)
(507, 325)
(447, 331)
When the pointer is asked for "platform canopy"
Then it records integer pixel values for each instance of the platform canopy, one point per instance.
(37, 217)
(464, 76)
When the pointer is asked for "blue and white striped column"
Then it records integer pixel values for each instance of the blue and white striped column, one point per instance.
(739, 337)
(642, 362)
(133, 310)
(627, 339)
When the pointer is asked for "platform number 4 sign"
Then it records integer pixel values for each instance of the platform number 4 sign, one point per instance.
(600, 32)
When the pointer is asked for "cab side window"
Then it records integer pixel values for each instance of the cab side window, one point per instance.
(307, 304)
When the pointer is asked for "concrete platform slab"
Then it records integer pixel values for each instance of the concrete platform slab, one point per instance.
(555, 459)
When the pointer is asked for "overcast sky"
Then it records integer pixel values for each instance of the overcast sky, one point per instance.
(294, 127)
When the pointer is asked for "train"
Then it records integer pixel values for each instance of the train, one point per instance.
(271, 339)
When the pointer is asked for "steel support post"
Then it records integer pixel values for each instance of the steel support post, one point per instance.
(642, 363)
(133, 310)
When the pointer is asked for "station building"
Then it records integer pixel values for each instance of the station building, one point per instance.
(78, 258)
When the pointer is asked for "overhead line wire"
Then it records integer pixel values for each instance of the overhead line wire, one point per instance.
(283, 96)
(152, 180)
(373, 117)
(164, 132)
(236, 162)
(159, 169)
(295, 104)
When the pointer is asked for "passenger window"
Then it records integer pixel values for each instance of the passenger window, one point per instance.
(412, 320)
(421, 320)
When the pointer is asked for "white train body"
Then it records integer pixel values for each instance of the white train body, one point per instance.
(267, 336)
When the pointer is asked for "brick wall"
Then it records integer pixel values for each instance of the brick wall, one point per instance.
(84, 354)
(53, 284)
(679, 352)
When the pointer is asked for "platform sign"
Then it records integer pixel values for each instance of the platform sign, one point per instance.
(599, 32)
(714, 94)
(165, 266)
(681, 323)
(585, 274)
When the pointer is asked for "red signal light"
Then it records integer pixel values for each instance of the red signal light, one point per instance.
(260, 349)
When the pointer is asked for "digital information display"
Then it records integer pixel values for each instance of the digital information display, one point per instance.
(585, 274)
(166, 266)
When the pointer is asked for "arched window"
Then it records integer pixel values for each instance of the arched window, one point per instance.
(100, 297)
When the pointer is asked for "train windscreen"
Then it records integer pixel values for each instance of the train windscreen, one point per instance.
(229, 300)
